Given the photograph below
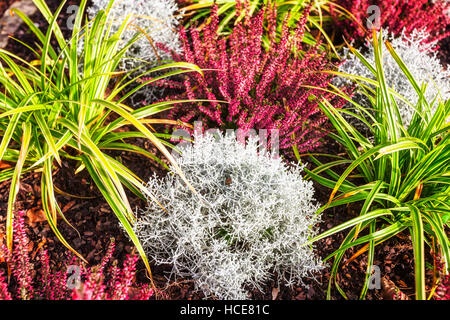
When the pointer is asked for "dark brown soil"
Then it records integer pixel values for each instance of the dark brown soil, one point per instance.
(5, 5)
(96, 225)
(444, 50)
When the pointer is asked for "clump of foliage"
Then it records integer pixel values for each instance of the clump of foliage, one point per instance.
(106, 281)
(399, 16)
(398, 174)
(422, 62)
(255, 214)
(251, 88)
(155, 22)
(52, 112)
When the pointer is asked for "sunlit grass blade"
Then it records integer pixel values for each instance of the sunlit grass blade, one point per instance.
(419, 252)
(15, 183)
(368, 216)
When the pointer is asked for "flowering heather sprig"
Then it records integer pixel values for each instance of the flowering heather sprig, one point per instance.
(443, 289)
(4, 294)
(46, 275)
(103, 282)
(399, 16)
(107, 257)
(19, 259)
(126, 278)
(262, 89)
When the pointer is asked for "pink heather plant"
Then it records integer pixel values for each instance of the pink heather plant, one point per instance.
(398, 16)
(262, 89)
(443, 289)
(103, 282)
(4, 294)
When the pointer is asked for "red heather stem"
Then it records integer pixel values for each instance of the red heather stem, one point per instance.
(46, 276)
(127, 276)
(4, 294)
(20, 259)
(443, 289)
(107, 257)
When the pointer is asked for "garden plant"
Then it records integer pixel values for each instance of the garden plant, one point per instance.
(52, 285)
(289, 12)
(261, 89)
(399, 174)
(398, 16)
(224, 149)
(255, 215)
(53, 111)
(421, 60)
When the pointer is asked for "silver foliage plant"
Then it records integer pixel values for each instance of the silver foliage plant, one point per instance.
(157, 18)
(156, 22)
(255, 215)
(421, 59)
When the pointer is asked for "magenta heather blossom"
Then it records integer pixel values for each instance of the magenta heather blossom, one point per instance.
(19, 260)
(443, 289)
(398, 16)
(4, 294)
(261, 89)
(103, 282)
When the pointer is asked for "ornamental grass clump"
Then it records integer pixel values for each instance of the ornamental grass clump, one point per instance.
(51, 113)
(156, 23)
(250, 87)
(421, 60)
(255, 214)
(398, 176)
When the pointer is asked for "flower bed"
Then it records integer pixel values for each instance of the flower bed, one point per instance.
(87, 145)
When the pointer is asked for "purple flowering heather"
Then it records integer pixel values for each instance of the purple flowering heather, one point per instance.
(104, 282)
(262, 89)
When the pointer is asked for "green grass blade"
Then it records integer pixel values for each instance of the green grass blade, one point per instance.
(15, 183)
(419, 252)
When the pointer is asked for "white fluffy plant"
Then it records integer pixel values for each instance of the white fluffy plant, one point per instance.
(157, 21)
(255, 215)
(421, 60)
